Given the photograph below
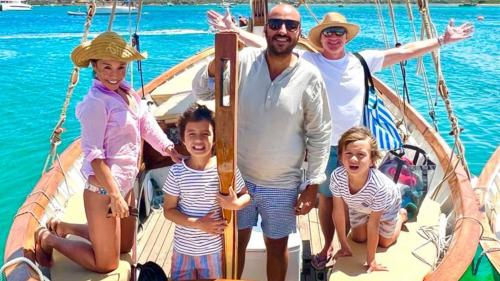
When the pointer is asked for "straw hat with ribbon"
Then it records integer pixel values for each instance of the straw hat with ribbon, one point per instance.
(107, 45)
(332, 19)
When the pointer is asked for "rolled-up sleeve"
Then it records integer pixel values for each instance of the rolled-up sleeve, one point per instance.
(152, 132)
(201, 85)
(318, 128)
(93, 118)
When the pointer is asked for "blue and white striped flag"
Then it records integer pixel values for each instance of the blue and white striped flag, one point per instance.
(379, 120)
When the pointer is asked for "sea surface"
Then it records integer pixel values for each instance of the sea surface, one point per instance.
(35, 68)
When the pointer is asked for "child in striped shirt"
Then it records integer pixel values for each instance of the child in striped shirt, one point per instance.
(373, 200)
(193, 203)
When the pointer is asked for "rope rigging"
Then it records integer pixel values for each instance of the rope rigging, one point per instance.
(421, 71)
(386, 42)
(430, 32)
(55, 138)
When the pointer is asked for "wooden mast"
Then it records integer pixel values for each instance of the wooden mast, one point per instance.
(226, 58)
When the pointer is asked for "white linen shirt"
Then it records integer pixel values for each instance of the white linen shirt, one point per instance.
(278, 120)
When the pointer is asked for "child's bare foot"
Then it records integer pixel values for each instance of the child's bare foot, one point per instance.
(43, 255)
(403, 215)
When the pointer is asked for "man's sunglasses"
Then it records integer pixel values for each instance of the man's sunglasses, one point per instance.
(337, 30)
(276, 24)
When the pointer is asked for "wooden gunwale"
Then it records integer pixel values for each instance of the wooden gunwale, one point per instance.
(467, 231)
(155, 83)
(20, 241)
(487, 177)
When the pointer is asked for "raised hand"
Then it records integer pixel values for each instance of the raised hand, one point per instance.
(455, 34)
(220, 22)
(211, 223)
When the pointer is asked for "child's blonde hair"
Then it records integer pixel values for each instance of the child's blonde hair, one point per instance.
(357, 134)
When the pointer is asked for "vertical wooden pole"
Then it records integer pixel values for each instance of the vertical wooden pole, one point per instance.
(226, 59)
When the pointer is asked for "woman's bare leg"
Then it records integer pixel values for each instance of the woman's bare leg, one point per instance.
(62, 228)
(102, 255)
(127, 227)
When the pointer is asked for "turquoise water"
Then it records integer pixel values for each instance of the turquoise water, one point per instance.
(35, 69)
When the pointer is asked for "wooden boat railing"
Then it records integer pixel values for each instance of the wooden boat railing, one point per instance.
(20, 242)
(489, 174)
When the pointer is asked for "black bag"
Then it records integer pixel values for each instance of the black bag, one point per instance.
(151, 271)
(412, 170)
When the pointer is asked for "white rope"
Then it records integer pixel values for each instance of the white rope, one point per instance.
(421, 68)
(29, 262)
(55, 138)
(311, 12)
(386, 41)
(112, 16)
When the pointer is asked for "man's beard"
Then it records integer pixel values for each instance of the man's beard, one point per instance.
(278, 52)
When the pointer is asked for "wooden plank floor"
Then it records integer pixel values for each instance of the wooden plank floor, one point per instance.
(155, 241)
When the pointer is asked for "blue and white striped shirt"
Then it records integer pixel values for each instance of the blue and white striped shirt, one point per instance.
(379, 193)
(197, 192)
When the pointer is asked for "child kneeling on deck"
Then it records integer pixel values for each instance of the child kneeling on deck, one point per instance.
(373, 200)
(193, 203)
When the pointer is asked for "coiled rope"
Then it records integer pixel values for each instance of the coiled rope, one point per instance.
(29, 262)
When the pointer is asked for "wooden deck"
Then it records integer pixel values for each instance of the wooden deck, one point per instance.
(155, 241)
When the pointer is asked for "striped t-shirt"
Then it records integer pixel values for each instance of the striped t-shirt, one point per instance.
(197, 192)
(379, 193)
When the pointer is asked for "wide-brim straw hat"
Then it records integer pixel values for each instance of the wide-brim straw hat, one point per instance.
(107, 45)
(332, 19)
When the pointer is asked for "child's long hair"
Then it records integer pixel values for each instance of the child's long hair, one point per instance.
(356, 134)
(195, 113)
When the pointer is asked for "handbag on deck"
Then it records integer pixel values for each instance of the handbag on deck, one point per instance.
(412, 170)
(376, 117)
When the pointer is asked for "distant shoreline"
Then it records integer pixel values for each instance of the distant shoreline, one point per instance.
(202, 2)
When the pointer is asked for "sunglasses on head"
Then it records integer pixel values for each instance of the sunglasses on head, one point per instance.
(276, 24)
(337, 30)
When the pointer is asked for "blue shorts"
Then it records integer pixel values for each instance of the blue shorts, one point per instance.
(333, 163)
(186, 267)
(276, 207)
